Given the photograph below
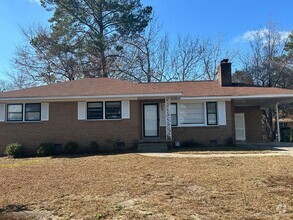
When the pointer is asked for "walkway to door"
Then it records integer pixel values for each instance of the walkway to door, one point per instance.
(270, 149)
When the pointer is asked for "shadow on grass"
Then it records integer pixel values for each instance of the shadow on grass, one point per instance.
(194, 148)
(93, 154)
(77, 155)
(13, 208)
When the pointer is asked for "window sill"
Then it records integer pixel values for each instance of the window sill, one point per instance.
(95, 120)
(193, 125)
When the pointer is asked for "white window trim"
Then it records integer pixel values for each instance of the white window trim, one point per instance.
(205, 114)
(23, 113)
(104, 112)
(2, 112)
(217, 114)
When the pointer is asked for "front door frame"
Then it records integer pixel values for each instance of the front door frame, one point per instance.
(143, 120)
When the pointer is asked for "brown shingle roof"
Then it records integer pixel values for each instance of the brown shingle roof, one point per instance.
(112, 87)
(212, 88)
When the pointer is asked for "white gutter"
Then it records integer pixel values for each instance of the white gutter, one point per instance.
(240, 97)
(156, 95)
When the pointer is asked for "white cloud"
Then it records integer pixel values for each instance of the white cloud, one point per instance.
(35, 1)
(260, 34)
(252, 35)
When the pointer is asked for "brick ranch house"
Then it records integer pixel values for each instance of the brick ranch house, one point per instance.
(101, 109)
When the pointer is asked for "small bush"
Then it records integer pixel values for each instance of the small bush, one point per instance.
(45, 149)
(71, 147)
(14, 150)
(94, 147)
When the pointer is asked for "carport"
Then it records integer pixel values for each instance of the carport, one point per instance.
(252, 105)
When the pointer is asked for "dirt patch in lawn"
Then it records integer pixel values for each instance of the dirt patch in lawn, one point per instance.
(132, 186)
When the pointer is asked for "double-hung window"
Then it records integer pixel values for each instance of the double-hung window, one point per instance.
(113, 110)
(212, 118)
(95, 110)
(33, 112)
(14, 112)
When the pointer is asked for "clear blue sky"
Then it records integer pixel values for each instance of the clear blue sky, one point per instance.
(230, 18)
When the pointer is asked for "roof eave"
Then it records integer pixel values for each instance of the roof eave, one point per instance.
(238, 97)
(76, 98)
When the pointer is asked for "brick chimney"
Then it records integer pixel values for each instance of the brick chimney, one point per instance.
(224, 73)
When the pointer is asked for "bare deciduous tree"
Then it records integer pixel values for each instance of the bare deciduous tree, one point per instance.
(212, 52)
(268, 65)
(4, 86)
(145, 58)
(266, 61)
(185, 58)
(47, 58)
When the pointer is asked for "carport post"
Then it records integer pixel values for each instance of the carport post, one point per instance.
(278, 124)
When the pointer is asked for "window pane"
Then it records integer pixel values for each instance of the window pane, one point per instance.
(212, 107)
(33, 116)
(173, 120)
(14, 112)
(212, 119)
(14, 108)
(95, 110)
(95, 105)
(113, 110)
(33, 112)
(14, 117)
(173, 109)
(98, 114)
(113, 104)
(33, 107)
(211, 113)
(191, 113)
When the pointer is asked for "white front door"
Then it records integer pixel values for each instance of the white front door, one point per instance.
(150, 120)
(240, 127)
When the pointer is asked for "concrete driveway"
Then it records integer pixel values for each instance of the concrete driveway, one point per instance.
(282, 147)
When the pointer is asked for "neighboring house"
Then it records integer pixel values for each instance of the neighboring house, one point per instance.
(286, 123)
(101, 109)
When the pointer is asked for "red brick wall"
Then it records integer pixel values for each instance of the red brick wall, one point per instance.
(253, 126)
(63, 127)
(204, 134)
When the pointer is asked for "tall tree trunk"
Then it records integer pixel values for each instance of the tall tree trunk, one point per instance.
(104, 65)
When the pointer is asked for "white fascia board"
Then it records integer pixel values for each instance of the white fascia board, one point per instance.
(136, 96)
(226, 98)
(68, 98)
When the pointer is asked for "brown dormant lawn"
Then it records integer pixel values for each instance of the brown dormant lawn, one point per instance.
(132, 186)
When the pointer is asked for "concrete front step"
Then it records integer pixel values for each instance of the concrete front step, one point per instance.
(152, 147)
